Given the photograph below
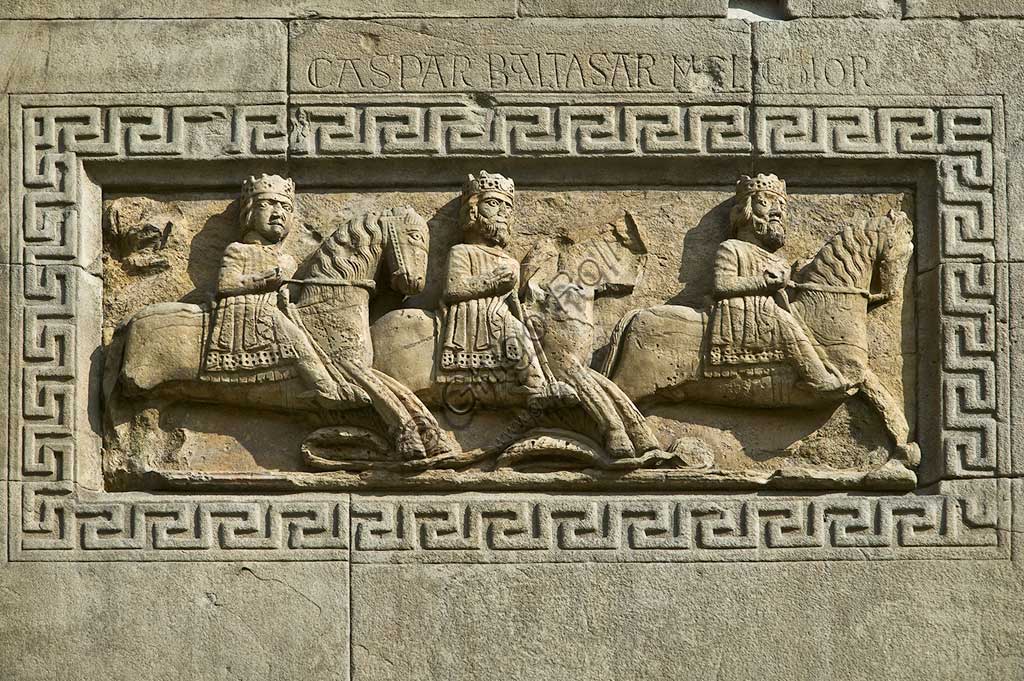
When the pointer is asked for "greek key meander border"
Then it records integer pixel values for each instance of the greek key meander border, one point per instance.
(52, 520)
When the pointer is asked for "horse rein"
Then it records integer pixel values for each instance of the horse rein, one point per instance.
(368, 284)
(849, 290)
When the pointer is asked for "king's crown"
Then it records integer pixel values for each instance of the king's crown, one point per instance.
(487, 182)
(747, 185)
(269, 184)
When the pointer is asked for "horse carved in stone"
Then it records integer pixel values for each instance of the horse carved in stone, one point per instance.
(658, 353)
(158, 351)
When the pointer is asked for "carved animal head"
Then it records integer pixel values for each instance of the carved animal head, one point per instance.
(352, 253)
(874, 251)
(894, 256)
(408, 242)
(138, 231)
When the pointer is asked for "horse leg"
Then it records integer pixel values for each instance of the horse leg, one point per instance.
(892, 416)
(597, 403)
(435, 441)
(631, 418)
(390, 408)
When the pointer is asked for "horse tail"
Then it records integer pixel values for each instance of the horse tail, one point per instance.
(615, 342)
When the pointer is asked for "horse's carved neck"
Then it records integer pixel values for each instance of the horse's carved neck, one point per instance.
(849, 258)
(351, 253)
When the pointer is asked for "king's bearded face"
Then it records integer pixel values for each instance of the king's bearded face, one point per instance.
(493, 219)
(768, 218)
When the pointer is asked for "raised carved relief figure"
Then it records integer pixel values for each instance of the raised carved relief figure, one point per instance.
(251, 338)
(255, 347)
(751, 322)
(770, 341)
(485, 339)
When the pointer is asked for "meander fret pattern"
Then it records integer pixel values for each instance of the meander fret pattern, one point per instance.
(509, 130)
(56, 139)
(671, 528)
(55, 522)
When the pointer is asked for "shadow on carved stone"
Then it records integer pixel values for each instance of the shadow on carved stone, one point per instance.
(479, 370)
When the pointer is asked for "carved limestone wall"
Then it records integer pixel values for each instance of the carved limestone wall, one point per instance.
(64, 149)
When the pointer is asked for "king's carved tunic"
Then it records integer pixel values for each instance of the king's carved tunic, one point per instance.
(749, 329)
(483, 339)
(250, 334)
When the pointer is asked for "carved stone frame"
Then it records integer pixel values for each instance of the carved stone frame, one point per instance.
(63, 153)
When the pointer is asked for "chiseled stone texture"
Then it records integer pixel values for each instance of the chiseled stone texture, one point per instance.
(871, 57)
(141, 56)
(963, 9)
(281, 9)
(176, 621)
(615, 8)
(957, 619)
(868, 9)
(907, 621)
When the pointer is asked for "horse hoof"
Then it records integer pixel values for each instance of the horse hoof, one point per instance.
(620, 447)
(409, 445)
(909, 453)
(691, 453)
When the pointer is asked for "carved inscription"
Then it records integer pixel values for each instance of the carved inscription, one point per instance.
(555, 71)
(817, 73)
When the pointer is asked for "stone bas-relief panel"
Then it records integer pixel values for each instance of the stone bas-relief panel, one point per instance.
(518, 337)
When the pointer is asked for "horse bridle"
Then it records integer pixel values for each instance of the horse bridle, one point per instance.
(392, 235)
(391, 229)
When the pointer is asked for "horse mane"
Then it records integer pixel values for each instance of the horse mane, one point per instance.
(351, 253)
(847, 256)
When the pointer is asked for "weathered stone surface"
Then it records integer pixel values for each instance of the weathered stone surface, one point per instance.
(5, 167)
(862, 58)
(587, 190)
(133, 56)
(463, 57)
(963, 9)
(174, 621)
(605, 621)
(169, 248)
(866, 9)
(270, 9)
(610, 8)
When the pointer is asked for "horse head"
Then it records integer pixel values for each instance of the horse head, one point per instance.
(894, 255)
(872, 255)
(407, 238)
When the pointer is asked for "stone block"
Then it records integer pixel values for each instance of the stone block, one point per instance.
(677, 58)
(1016, 358)
(864, 9)
(214, 470)
(611, 8)
(857, 57)
(174, 621)
(265, 9)
(5, 181)
(137, 56)
(660, 621)
(962, 9)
